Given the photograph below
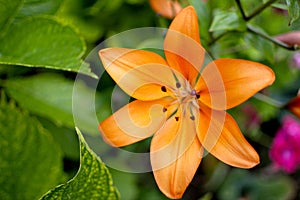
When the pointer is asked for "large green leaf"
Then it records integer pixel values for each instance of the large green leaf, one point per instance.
(51, 96)
(65, 137)
(8, 10)
(294, 9)
(93, 180)
(263, 48)
(30, 160)
(43, 42)
(34, 7)
(227, 21)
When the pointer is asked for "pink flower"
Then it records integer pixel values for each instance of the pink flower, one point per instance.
(296, 59)
(285, 149)
(252, 117)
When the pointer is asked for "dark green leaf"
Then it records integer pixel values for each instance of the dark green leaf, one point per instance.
(263, 48)
(204, 17)
(43, 42)
(126, 184)
(30, 160)
(65, 137)
(241, 183)
(293, 9)
(93, 180)
(227, 21)
(50, 96)
(8, 10)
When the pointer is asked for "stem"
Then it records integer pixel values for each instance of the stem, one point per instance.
(238, 2)
(268, 100)
(255, 12)
(217, 38)
(276, 42)
(260, 9)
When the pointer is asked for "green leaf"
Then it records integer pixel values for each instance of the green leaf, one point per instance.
(36, 7)
(43, 42)
(93, 180)
(227, 21)
(65, 137)
(51, 96)
(7, 9)
(204, 17)
(264, 48)
(31, 162)
(130, 187)
(85, 17)
(293, 9)
(241, 183)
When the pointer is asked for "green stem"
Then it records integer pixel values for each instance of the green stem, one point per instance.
(217, 38)
(276, 42)
(238, 2)
(268, 100)
(256, 11)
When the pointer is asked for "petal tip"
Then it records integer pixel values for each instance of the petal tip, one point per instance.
(253, 161)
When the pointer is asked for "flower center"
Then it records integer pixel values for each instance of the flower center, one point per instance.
(185, 94)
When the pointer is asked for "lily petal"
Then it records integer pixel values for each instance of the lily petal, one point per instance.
(294, 106)
(226, 83)
(182, 45)
(134, 122)
(166, 8)
(220, 135)
(141, 74)
(173, 148)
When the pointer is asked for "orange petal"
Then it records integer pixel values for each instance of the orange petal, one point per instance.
(141, 74)
(225, 83)
(134, 122)
(294, 106)
(166, 8)
(182, 44)
(175, 156)
(220, 135)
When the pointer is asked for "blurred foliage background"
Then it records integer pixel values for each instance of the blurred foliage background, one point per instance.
(44, 43)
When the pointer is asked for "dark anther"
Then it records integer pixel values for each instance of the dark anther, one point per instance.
(192, 118)
(178, 85)
(198, 95)
(164, 109)
(176, 118)
(163, 88)
(193, 92)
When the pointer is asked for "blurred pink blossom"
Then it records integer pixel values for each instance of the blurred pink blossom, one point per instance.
(285, 149)
(252, 117)
(296, 59)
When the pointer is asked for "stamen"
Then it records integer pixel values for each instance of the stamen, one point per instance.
(178, 85)
(198, 95)
(193, 92)
(165, 109)
(176, 118)
(163, 88)
(192, 117)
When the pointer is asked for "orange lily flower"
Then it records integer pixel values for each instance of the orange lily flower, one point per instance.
(166, 8)
(182, 105)
(294, 105)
